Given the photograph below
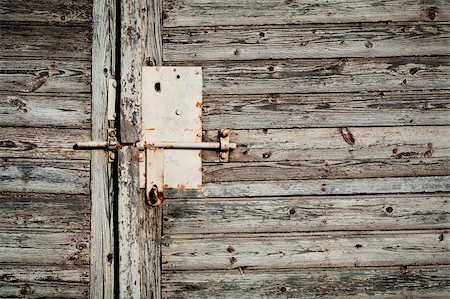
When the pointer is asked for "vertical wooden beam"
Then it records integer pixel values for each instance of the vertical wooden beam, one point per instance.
(151, 217)
(102, 234)
(130, 74)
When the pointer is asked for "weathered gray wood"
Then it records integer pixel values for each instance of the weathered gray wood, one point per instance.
(325, 110)
(237, 12)
(317, 187)
(320, 41)
(306, 214)
(38, 76)
(296, 251)
(326, 169)
(44, 248)
(151, 217)
(129, 223)
(45, 41)
(44, 281)
(48, 11)
(329, 144)
(51, 212)
(42, 143)
(103, 256)
(326, 75)
(44, 176)
(391, 282)
(24, 110)
(131, 69)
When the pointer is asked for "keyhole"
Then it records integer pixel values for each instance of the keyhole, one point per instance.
(158, 87)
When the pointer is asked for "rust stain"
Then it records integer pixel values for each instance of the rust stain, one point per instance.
(154, 197)
(323, 187)
(27, 290)
(182, 187)
(230, 249)
(233, 260)
(198, 104)
(347, 136)
(267, 155)
(427, 154)
(38, 82)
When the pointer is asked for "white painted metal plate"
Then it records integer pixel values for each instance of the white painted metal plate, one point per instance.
(172, 112)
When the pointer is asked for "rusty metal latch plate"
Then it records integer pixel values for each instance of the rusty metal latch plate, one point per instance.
(171, 112)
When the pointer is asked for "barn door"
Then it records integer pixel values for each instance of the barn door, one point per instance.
(339, 183)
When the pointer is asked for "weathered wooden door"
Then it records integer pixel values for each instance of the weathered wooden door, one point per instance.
(339, 185)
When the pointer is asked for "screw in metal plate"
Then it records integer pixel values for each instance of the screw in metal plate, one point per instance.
(178, 112)
(224, 155)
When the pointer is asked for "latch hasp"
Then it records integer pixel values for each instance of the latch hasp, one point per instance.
(172, 112)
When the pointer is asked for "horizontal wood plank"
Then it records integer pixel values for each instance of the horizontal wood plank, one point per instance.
(57, 212)
(45, 41)
(325, 110)
(324, 169)
(190, 13)
(392, 282)
(325, 75)
(40, 282)
(306, 214)
(48, 76)
(49, 11)
(250, 43)
(44, 248)
(22, 110)
(328, 144)
(283, 251)
(395, 185)
(44, 176)
(43, 143)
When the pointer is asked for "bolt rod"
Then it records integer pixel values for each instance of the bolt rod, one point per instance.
(167, 145)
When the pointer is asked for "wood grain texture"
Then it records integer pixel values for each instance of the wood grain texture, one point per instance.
(45, 76)
(326, 75)
(44, 281)
(131, 69)
(396, 185)
(128, 218)
(45, 41)
(306, 214)
(47, 212)
(325, 110)
(329, 144)
(103, 255)
(324, 169)
(47, 110)
(44, 248)
(44, 176)
(192, 13)
(46, 11)
(390, 282)
(298, 251)
(321, 41)
(151, 217)
(42, 143)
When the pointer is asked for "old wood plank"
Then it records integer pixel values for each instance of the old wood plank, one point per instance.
(324, 169)
(396, 185)
(297, 251)
(325, 75)
(44, 248)
(237, 12)
(23, 40)
(48, 11)
(151, 217)
(306, 214)
(56, 212)
(42, 75)
(66, 281)
(334, 144)
(44, 176)
(42, 143)
(131, 69)
(429, 282)
(103, 254)
(128, 218)
(320, 41)
(23, 110)
(325, 110)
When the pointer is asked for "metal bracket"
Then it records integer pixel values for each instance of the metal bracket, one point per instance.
(171, 141)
